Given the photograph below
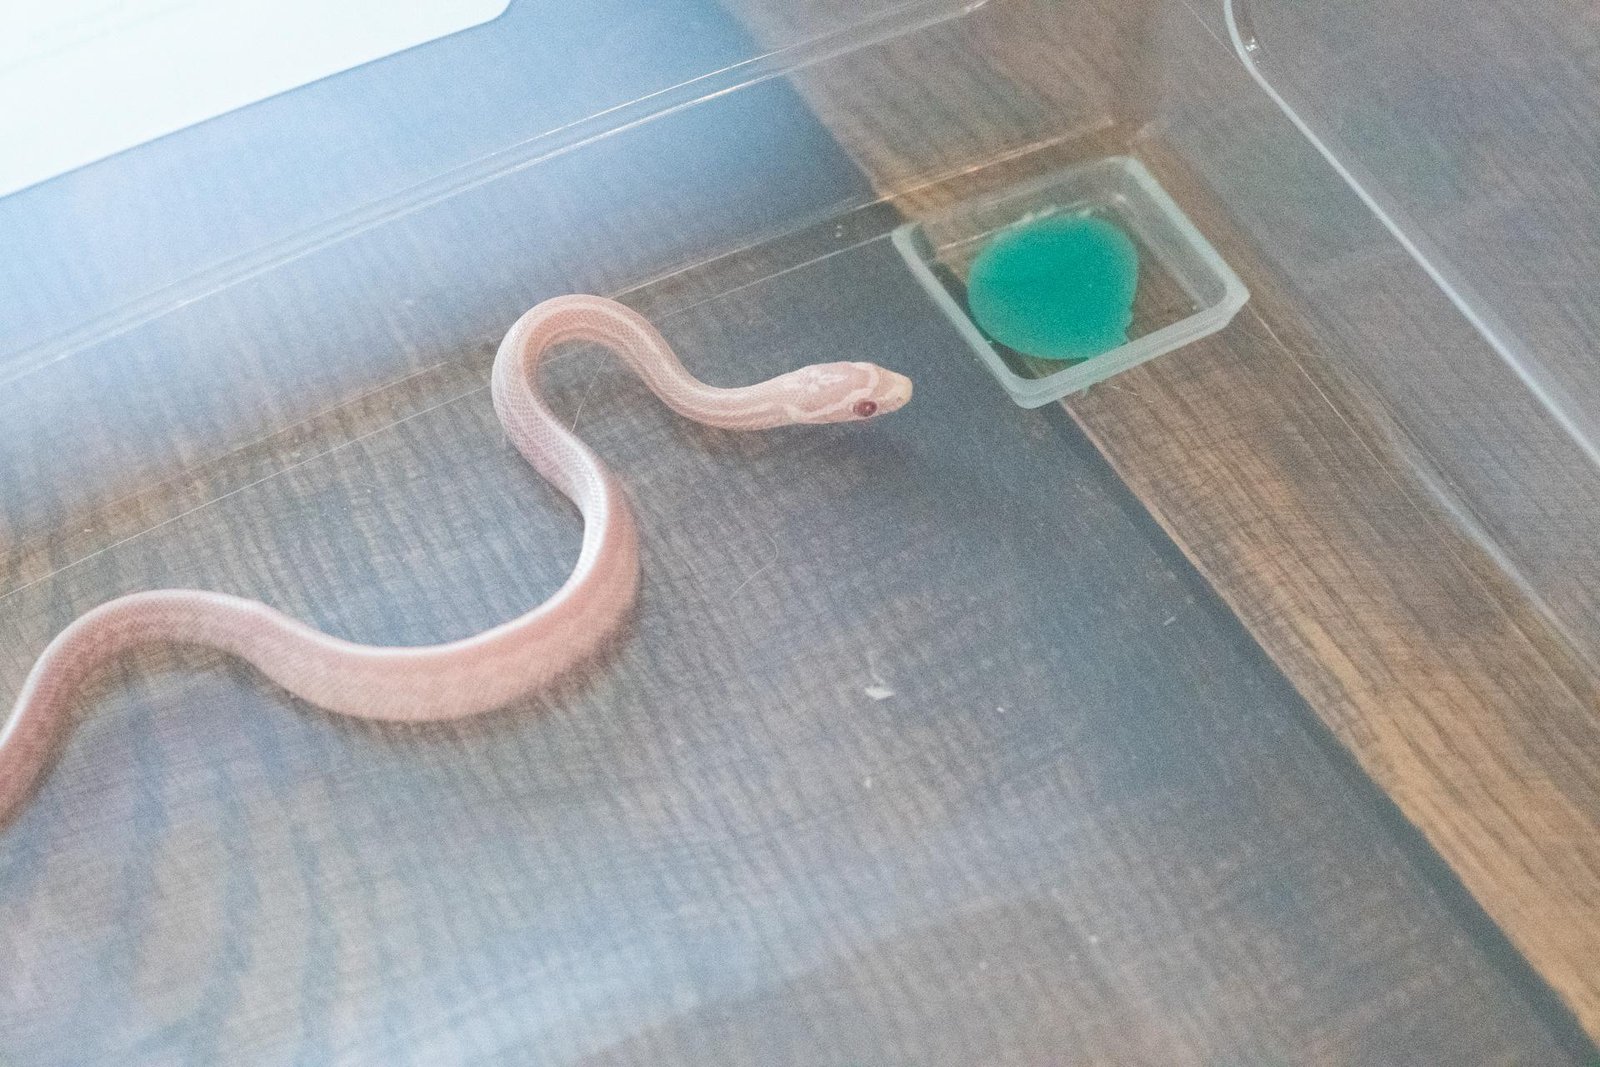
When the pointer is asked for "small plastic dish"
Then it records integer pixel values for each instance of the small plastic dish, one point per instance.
(1185, 289)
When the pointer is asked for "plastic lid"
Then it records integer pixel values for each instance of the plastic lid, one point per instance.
(164, 223)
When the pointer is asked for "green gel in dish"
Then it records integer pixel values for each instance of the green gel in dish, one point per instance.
(1058, 287)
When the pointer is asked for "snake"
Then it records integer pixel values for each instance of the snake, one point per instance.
(488, 670)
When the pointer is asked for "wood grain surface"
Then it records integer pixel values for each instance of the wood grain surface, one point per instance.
(1281, 473)
(1090, 824)
(926, 746)
(1477, 126)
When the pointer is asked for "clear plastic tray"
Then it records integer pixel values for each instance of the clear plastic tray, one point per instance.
(252, 357)
(1185, 289)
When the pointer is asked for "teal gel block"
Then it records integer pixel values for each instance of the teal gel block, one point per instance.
(1059, 287)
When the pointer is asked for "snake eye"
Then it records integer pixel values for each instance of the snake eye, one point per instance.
(865, 408)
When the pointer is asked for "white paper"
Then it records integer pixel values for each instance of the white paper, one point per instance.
(83, 79)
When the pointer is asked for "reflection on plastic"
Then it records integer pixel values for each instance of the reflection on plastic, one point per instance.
(102, 77)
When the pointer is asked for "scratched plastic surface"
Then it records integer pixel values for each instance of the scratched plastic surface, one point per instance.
(926, 745)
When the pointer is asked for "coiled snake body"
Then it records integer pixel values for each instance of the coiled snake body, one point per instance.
(460, 678)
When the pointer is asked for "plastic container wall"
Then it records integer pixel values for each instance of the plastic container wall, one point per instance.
(1429, 202)
(164, 223)
(238, 362)
(238, 282)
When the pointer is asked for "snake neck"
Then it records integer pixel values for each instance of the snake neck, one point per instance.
(597, 320)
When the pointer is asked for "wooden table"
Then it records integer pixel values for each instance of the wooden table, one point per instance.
(1198, 742)
(1264, 452)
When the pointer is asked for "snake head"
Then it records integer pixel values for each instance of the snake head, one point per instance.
(848, 392)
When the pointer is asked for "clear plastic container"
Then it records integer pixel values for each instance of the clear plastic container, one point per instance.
(898, 696)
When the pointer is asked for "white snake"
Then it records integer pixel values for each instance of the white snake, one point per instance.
(490, 669)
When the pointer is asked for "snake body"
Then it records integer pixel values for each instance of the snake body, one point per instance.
(489, 669)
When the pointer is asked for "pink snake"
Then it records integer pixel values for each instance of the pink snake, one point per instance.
(490, 669)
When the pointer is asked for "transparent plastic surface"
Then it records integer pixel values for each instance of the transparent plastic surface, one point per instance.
(161, 225)
(1434, 210)
(923, 728)
(1481, 151)
(851, 709)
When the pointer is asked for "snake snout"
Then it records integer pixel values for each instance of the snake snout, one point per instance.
(893, 393)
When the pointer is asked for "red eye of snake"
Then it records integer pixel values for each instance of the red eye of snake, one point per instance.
(866, 408)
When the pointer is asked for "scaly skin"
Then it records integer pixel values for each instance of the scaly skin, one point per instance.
(490, 669)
